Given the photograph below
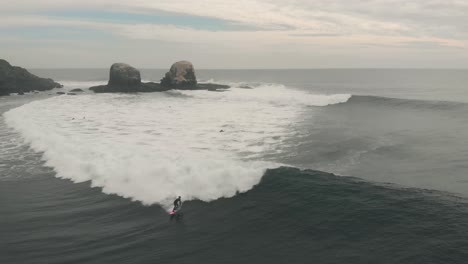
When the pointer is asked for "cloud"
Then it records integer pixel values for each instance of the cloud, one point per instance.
(438, 18)
(432, 45)
(248, 26)
(261, 38)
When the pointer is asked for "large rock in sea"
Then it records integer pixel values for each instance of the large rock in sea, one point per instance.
(15, 79)
(126, 79)
(123, 78)
(180, 76)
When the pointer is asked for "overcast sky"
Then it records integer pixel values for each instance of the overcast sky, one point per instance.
(235, 34)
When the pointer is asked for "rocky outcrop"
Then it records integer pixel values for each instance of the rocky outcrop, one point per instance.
(124, 76)
(180, 76)
(126, 79)
(18, 80)
(212, 87)
(143, 88)
(77, 90)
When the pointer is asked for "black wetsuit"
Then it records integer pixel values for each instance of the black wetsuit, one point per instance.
(177, 203)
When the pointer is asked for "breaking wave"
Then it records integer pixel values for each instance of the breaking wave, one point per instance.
(151, 147)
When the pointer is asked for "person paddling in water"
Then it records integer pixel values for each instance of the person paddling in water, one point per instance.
(177, 203)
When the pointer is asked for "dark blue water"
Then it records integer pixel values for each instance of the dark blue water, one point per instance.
(399, 145)
(292, 216)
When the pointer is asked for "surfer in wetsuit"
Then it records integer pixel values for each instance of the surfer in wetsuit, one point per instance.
(177, 203)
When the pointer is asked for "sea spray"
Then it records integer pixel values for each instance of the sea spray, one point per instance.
(152, 147)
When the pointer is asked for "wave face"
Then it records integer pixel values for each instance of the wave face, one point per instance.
(291, 216)
(152, 147)
(317, 215)
(416, 143)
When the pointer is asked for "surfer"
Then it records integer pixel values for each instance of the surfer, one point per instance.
(177, 203)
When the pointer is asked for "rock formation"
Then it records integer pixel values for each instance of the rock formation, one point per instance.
(124, 76)
(77, 90)
(126, 79)
(180, 76)
(18, 80)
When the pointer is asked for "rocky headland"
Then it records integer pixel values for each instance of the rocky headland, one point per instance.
(15, 79)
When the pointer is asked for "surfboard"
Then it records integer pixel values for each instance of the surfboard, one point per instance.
(173, 212)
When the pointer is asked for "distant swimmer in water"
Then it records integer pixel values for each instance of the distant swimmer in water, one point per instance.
(177, 203)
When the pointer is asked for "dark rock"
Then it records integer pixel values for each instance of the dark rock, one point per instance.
(218, 91)
(245, 87)
(71, 93)
(20, 93)
(60, 93)
(76, 90)
(103, 89)
(153, 87)
(143, 88)
(124, 77)
(212, 86)
(18, 80)
(180, 76)
(156, 87)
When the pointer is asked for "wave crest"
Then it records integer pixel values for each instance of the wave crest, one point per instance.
(152, 147)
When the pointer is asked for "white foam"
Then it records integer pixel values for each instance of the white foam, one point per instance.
(153, 147)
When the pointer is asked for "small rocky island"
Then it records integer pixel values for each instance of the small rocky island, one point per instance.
(124, 78)
(15, 79)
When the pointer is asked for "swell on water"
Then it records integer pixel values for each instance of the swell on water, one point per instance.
(400, 102)
(346, 220)
(151, 147)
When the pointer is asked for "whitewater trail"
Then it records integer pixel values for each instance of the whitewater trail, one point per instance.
(153, 147)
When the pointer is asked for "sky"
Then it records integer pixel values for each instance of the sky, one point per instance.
(225, 34)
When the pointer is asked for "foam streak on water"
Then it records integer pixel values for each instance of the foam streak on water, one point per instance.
(152, 147)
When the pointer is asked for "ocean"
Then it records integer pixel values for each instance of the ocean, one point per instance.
(288, 166)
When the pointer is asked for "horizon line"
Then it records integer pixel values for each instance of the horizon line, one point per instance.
(228, 69)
